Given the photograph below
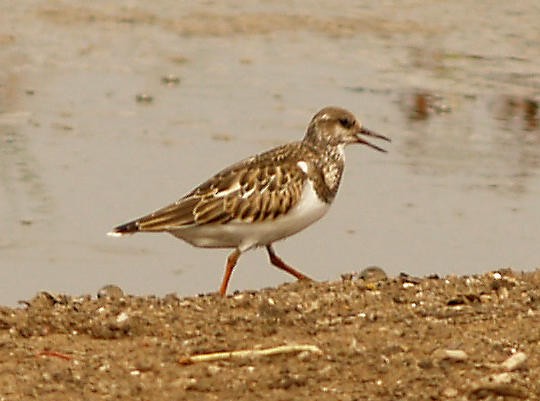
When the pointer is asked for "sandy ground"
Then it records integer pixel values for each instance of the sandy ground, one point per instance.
(131, 104)
(369, 337)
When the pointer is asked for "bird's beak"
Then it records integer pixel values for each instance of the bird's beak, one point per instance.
(366, 132)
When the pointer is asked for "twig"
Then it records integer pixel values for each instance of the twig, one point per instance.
(249, 353)
(55, 354)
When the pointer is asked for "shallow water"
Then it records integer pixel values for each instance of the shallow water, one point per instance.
(456, 91)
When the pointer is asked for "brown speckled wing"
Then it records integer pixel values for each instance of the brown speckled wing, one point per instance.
(260, 188)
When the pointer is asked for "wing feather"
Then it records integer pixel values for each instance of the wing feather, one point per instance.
(175, 215)
(257, 189)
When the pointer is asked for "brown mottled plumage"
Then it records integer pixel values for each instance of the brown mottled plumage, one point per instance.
(266, 197)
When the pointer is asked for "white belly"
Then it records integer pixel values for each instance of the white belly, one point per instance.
(245, 236)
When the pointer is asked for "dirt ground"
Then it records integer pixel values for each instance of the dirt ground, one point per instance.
(371, 338)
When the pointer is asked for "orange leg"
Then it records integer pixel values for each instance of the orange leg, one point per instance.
(231, 262)
(279, 263)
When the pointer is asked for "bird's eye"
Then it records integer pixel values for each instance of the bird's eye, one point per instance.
(345, 122)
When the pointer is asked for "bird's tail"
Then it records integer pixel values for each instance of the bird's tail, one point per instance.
(128, 228)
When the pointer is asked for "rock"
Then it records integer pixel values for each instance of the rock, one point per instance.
(110, 291)
(516, 361)
(451, 354)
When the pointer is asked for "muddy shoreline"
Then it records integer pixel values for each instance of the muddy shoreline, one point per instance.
(407, 338)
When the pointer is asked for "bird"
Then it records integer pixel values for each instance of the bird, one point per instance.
(266, 197)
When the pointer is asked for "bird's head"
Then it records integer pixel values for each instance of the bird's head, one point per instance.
(335, 126)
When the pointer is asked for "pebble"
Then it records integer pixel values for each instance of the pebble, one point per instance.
(500, 384)
(450, 392)
(451, 354)
(110, 291)
(122, 318)
(516, 361)
(304, 356)
(144, 98)
(372, 274)
(170, 80)
(213, 370)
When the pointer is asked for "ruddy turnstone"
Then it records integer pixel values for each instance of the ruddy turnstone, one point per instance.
(264, 198)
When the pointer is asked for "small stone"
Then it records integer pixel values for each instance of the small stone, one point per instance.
(372, 274)
(110, 291)
(122, 318)
(269, 309)
(191, 384)
(213, 370)
(304, 356)
(144, 98)
(425, 364)
(516, 361)
(497, 276)
(43, 300)
(450, 392)
(104, 368)
(501, 384)
(170, 80)
(451, 354)
(407, 278)
(500, 378)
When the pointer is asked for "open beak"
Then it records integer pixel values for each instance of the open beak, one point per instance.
(366, 132)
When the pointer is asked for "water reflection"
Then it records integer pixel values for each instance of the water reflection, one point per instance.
(20, 183)
(521, 109)
(420, 105)
(493, 142)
